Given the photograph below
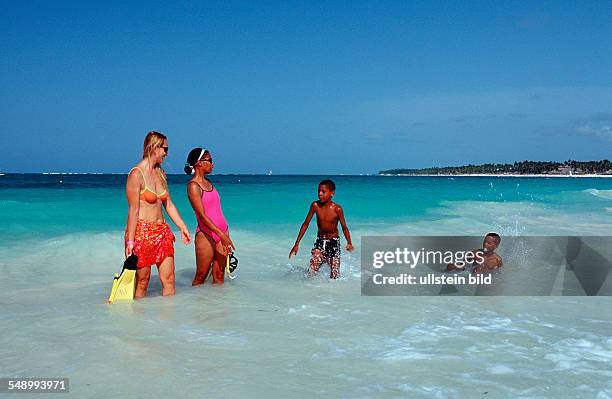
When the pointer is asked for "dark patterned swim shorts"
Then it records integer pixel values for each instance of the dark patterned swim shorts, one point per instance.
(329, 247)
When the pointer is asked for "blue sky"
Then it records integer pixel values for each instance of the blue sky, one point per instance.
(304, 87)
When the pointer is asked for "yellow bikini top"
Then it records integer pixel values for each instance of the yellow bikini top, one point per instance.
(149, 195)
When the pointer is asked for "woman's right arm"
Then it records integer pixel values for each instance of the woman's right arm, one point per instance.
(132, 192)
(194, 192)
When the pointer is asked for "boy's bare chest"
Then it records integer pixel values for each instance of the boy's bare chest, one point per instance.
(327, 213)
(490, 261)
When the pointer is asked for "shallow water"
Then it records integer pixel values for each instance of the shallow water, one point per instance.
(274, 332)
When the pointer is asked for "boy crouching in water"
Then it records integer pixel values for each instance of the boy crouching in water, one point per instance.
(327, 245)
(486, 259)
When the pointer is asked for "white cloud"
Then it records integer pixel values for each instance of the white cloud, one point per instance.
(598, 126)
(602, 132)
(536, 106)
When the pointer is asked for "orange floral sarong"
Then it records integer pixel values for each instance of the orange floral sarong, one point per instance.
(153, 242)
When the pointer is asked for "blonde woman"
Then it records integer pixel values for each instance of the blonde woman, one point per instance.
(147, 234)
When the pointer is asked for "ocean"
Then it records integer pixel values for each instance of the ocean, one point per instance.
(274, 332)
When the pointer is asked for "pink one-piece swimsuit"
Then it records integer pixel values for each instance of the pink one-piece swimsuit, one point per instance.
(212, 208)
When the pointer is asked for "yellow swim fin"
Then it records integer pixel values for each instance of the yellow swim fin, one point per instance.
(124, 285)
(114, 289)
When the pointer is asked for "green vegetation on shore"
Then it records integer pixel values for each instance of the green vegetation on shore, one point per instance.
(569, 167)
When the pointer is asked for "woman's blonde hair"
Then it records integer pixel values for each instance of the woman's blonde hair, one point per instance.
(152, 141)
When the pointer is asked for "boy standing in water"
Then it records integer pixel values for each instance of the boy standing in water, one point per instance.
(327, 245)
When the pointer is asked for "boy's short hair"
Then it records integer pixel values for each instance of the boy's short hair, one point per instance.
(496, 236)
(329, 184)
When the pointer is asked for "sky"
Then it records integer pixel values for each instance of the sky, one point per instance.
(304, 87)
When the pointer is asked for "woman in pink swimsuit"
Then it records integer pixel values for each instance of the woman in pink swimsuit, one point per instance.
(214, 243)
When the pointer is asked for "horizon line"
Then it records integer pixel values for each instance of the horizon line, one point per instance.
(184, 174)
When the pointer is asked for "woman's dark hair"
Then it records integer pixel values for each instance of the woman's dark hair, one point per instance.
(193, 158)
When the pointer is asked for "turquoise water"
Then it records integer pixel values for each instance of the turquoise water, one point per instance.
(274, 332)
(43, 206)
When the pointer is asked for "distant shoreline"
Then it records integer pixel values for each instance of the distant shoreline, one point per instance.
(491, 175)
(322, 175)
